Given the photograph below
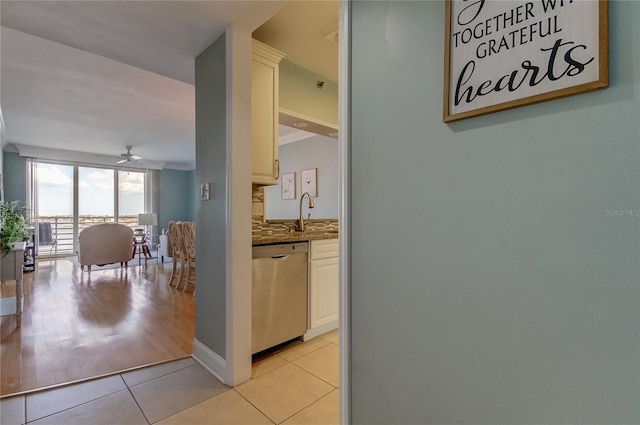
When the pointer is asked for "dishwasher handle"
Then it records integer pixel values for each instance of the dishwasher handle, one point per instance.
(280, 257)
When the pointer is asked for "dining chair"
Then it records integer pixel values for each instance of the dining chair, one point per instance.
(175, 239)
(189, 253)
(45, 236)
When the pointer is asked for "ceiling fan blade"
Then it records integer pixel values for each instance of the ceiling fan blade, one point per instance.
(122, 161)
(136, 157)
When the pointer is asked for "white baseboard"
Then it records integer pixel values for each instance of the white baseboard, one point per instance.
(312, 333)
(215, 364)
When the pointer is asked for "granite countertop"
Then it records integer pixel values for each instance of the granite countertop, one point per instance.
(294, 237)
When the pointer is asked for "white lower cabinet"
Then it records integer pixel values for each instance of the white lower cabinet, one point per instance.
(323, 287)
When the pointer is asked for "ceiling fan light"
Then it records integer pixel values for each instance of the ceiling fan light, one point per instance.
(128, 157)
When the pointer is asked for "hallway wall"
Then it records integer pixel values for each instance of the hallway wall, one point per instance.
(507, 292)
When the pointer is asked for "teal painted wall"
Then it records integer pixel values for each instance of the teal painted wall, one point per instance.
(211, 98)
(298, 93)
(317, 152)
(492, 281)
(175, 197)
(14, 177)
(2, 141)
(191, 194)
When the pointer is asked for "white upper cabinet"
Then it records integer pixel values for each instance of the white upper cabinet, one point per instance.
(264, 113)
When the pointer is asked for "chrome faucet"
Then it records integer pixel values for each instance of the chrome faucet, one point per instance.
(301, 219)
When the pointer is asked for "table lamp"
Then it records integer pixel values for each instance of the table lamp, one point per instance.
(148, 220)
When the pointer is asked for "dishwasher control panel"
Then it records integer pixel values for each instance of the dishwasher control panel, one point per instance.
(264, 251)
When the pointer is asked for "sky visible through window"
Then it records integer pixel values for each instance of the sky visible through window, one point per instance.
(95, 191)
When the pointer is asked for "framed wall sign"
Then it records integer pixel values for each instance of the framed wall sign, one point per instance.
(500, 54)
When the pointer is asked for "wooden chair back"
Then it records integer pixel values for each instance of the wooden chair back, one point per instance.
(175, 239)
(189, 239)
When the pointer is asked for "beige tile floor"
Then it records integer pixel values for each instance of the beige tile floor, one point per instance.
(296, 385)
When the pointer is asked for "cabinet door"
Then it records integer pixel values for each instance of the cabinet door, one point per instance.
(264, 114)
(323, 248)
(323, 285)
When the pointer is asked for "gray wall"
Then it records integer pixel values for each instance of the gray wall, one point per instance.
(2, 141)
(491, 282)
(317, 152)
(176, 197)
(191, 194)
(14, 177)
(210, 215)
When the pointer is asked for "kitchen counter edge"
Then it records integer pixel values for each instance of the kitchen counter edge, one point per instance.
(302, 237)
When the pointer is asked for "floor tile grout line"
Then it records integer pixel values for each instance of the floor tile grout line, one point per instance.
(176, 413)
(292, 362)
(256, 407)
(137, 404)
(313, 374)
(69, 408)
(197, 404)
(312, 351)
(333, 388)
(156, 377)
(308, 406)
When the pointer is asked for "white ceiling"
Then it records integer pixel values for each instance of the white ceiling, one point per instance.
(94, 76)
(306, 31)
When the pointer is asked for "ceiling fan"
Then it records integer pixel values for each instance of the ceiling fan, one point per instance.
(126, 158)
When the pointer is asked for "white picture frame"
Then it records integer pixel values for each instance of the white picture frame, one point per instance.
(308, 181)
(288, 186)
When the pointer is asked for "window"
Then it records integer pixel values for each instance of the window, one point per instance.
(68, 198)
(130, 196)
(95, 195)
(53, 196)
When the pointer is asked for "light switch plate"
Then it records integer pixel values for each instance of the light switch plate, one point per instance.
(205, 191)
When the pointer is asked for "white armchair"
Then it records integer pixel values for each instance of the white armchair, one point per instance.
(105, 243)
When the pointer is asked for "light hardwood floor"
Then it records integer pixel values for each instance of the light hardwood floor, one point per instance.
(76, 326)
(296, 385)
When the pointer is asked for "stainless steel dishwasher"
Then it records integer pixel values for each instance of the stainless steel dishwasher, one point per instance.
(279, 295)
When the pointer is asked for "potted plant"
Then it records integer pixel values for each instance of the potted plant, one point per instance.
(14, 224)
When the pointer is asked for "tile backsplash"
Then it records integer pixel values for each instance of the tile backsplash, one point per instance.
(261, 228)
